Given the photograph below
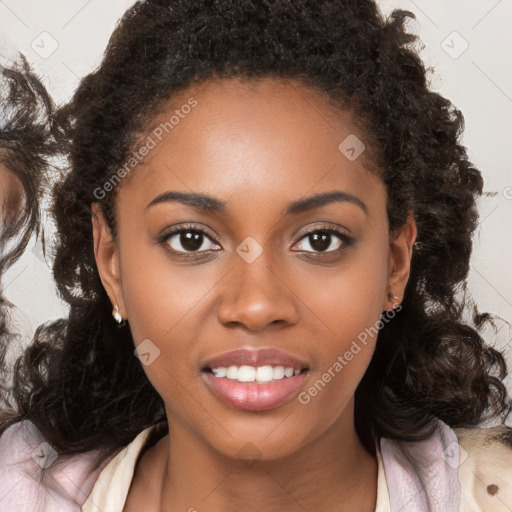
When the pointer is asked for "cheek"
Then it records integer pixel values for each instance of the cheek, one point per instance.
(160, 303)
(157, 294)
(165, 303)
(345, 300)
(347, 308)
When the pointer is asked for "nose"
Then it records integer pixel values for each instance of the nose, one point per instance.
(256, 295)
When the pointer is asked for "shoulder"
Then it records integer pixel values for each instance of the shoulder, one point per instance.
(34, 477)
(485, 468)
(456, 470)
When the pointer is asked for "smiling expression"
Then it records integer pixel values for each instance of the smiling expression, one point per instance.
(247, 228)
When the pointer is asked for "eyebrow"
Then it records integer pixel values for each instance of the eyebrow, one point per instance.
(214, 205)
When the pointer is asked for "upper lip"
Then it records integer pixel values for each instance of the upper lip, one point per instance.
(261, 357)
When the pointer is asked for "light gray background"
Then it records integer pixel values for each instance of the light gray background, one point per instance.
(65, 39)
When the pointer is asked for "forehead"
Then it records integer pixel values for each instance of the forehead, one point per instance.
(254, 141)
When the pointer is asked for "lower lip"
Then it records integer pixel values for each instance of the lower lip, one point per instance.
(253, 396)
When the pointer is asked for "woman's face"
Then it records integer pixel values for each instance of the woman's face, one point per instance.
(254, 280)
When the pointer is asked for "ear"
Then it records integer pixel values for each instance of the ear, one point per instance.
(401, 243)
(107, 258)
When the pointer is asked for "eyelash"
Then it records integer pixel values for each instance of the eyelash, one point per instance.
(345, 239)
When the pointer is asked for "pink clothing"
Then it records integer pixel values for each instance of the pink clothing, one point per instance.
(21, 464)
(422, 476)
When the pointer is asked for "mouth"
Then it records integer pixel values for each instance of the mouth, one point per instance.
(255, 380)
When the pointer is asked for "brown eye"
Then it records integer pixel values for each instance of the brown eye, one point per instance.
(324, 240)
(320, 241)
(189, 239)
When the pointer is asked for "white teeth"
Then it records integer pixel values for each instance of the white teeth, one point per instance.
(246, 374)
(264, 373)
(278, 372)
(219, 372)
(250, 373)
(232, 372)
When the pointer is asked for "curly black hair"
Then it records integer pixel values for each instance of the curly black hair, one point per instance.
(30, 137)
(80, 383)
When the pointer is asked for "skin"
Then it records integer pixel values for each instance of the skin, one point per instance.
(257, 147)
(11, 204)
(11, 195)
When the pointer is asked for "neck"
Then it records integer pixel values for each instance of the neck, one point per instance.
(333, 472)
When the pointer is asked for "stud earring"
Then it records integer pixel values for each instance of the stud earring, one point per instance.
(393, 298)
(117, 316)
